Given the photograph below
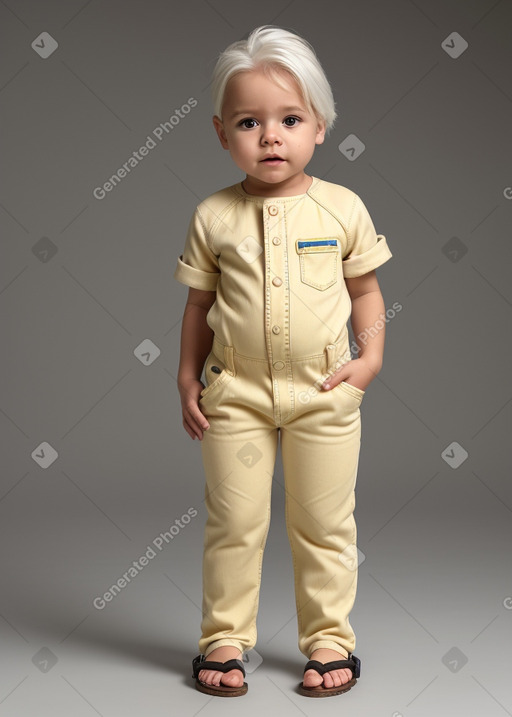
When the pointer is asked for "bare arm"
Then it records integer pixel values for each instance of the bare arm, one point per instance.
(367, 308)
(196, 343)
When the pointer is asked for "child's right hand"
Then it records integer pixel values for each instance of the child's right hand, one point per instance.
(194, 420)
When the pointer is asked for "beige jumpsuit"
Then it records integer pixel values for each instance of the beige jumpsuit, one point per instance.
(280, 326)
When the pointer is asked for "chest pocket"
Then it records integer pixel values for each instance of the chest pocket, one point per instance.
(319, 261)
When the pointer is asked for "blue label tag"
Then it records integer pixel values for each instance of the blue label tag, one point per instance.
(317, 242)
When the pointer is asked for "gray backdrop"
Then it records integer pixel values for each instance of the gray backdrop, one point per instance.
(95, 462)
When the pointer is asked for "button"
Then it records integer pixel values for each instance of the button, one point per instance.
(216, 369)
(277, 281)
(278, 365)
(276, 241)
(276, 329)
(331, 346)
(273, 210)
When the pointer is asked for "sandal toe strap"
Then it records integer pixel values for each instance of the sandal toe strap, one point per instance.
(201, 663)
(353, 663)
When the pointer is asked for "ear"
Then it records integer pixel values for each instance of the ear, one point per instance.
(219, 128)
(320, 133)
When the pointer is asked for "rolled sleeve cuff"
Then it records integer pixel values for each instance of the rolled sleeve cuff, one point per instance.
(196, 278)
(367, 261)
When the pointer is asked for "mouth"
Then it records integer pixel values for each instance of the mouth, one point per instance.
(274, 159)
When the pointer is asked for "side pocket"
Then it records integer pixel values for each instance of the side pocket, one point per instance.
(353, 391)
(215, 374)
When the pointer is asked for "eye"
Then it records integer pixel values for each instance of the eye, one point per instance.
(294, 119)
(242, 122)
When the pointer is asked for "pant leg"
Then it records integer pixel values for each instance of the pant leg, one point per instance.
(239, 451)
(320, 451)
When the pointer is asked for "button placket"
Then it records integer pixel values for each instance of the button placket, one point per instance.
(277, 299)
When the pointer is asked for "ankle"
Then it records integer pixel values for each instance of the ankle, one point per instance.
(327, 653)
(224, 653)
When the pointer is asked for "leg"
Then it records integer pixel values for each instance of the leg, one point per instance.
(320, 449)
(239, 452)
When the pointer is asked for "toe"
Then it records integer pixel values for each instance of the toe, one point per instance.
(312, 678)
(203, 675)
(208, 676)
(233, 678)
(216, 677)
(335, 678)
(329, 679)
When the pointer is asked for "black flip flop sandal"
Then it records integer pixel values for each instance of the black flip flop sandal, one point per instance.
(201, 663)
(353, 663)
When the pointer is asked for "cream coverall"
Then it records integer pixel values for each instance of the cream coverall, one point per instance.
(280, 327)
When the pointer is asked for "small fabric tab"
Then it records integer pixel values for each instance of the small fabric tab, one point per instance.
(317, 242)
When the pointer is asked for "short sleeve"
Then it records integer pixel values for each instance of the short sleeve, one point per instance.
(366, 249)
(198, 266)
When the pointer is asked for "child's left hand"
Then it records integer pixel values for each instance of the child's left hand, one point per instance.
(358, 372)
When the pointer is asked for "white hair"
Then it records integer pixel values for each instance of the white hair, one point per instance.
(271, 49)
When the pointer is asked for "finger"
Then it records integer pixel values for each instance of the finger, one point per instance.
(192, 426)
(201, 420)
(333, 379)
(198, 422)
(330, 383)
(189, 429)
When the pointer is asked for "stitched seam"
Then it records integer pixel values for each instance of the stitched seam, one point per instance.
(205, 230)
(210, 234)
(287, 331)
(334, 213)
(295, 198)
(349, 235)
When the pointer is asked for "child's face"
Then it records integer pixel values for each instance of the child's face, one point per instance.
(260, 119)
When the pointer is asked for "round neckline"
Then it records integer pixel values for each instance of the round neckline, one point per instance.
(261, 198)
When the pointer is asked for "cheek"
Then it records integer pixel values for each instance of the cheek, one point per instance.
(243, 146)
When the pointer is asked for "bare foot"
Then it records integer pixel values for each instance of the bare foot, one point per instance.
(334, 678)
(233, 678)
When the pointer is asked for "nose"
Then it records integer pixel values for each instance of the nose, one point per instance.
(270, 134)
